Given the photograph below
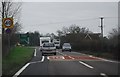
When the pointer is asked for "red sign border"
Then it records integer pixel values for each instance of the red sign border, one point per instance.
(4, 19)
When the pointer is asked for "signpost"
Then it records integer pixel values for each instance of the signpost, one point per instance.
(8, 30)
(7, 23)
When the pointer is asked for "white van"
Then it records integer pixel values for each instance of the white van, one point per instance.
(44, 40)
(57, 43)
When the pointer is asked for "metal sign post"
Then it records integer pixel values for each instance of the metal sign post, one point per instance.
(7, 23)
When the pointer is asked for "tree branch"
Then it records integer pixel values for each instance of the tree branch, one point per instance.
(16, 11)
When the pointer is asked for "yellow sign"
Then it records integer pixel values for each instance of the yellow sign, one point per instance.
(7, 22)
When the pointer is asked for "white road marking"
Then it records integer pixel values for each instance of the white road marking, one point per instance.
(35, 53)
(43, 57)
(38, 61)
(103, 74)
(71, 57)
(23, 68)
(90, 56)
(56, 57)
(85, 64)
(48, 58)
(63, 57)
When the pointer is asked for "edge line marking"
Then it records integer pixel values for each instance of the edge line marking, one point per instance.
(21, 70)
(85, 64)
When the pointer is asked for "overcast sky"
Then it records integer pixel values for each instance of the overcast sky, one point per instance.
(48, 17)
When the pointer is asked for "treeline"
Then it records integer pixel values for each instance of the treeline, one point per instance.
(79, 42)
(34, 38)
(81, 39)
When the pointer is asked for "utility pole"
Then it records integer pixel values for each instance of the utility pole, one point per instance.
(101, 20)
(101, 26)
(3, 6)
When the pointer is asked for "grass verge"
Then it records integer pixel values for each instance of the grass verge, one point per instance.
(16, 59)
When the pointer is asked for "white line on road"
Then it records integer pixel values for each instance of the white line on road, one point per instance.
(48, 58)
(38, 61)
(24, 67)
(21, 70)
(63, 57)
(35, 53)
(43, 57)
(103, 74)
(85, 64)
(71, 57)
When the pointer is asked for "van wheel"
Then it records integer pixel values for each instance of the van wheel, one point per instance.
(54, 53)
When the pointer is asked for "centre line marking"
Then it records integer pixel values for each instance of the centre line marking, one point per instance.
(103, 74)
(85, 64)
(23, 68)
(35, 53)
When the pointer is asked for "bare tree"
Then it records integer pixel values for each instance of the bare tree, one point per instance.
(73, 29)
(59, 33)
(65, 30)
(10, 9)
(114, 33)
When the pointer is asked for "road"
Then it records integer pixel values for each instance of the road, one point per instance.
(69, 63)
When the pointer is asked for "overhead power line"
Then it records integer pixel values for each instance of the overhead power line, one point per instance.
(88, 19)
(80, 20)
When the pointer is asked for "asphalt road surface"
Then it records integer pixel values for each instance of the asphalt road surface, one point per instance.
(69, 63)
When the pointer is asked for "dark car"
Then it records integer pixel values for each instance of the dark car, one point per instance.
(66, 47)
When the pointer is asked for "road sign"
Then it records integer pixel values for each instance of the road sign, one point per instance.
(24, 39)
(7, 22)
(8, 30)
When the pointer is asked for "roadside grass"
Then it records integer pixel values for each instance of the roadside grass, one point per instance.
(16, 59)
